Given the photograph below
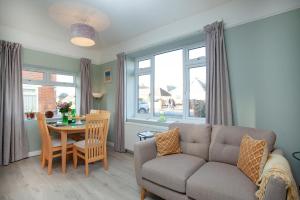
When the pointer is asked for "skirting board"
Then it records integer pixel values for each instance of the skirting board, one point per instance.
(34, 153)
(38, 152)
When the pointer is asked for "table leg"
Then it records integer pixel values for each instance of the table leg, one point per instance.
(63, 151)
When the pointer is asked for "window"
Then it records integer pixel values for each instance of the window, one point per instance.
(32, 75)
(169, 83)
(172, 82)
(144, 94)
(43, 89)
(144, 64)
(62, 78)
(197, 93)
(196, 53)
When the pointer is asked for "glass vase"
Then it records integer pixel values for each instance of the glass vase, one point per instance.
(64, 118)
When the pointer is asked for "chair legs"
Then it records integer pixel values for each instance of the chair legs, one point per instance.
(86, 160)
(41, 157)
(75, 157)
(43, 160)
(86, 167)
(50, 165)
(143, 193)
(105, 163)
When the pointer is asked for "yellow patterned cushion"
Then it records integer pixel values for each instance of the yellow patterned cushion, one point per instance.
(168, 142)
(253, 157)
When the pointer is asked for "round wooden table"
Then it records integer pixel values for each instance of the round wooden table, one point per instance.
(64, 131)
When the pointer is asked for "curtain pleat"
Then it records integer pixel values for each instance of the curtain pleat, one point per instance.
(119, 145)
(218, 98)
(85, 86)
(13, 138)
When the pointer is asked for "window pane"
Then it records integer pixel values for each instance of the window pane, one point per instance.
(197, 92)
(31, 75)
(62, 78)
(196, 53)
(169, 83)
(144, 94)
(144, 64)
(42, 98)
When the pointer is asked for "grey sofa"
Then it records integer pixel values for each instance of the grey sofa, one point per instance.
(206, 168)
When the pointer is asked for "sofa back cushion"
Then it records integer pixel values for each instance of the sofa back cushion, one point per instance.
(226, 140)
(194, 138)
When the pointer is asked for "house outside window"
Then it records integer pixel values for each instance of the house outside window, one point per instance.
(172, 83)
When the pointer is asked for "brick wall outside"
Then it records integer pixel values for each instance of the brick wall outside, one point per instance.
(47, 98)
(32, 75)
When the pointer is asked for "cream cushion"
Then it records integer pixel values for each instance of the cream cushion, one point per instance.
(81, 144)
(56, 142)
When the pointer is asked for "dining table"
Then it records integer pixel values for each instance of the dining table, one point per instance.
(64, 130)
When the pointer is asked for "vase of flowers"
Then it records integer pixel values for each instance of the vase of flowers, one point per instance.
(64, 108)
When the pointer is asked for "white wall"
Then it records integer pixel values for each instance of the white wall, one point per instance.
(132, 128)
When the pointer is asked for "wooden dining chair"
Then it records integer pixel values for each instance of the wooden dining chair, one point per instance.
(51, 147)
(93, 148)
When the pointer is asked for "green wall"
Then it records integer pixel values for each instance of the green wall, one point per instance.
(108, 101)
(52, 61)
(264, 64)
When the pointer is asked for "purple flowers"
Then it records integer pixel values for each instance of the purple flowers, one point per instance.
(64, 107)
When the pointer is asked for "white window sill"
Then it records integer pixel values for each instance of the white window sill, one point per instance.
(155, 121)
(47, 119)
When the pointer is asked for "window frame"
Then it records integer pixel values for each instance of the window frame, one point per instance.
(47, 80)
(187, 65)
(47, 76)
(141, 72)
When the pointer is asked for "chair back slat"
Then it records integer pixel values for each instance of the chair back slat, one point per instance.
(96, 134)
(44, 132)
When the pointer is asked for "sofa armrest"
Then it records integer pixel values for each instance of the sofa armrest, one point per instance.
(275, 189)
(143, 151)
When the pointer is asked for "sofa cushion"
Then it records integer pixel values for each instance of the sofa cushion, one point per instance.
(171, 171)
(194, 138)
(252, 157)
(168, 142)
(215, 181)
(226, 140)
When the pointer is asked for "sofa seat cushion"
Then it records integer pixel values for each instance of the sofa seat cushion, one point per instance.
(215, 181)
(171, 171)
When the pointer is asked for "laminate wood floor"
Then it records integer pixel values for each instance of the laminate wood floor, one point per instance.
(26, 180)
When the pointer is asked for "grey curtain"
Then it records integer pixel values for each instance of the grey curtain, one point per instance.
(119, 145)
(218, 99)
(13, 138)
(85, 86)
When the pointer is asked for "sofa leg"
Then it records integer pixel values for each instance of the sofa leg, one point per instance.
(143, 193)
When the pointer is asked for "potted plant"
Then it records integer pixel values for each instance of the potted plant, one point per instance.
(64, 108)
(27, 115)
(31, 115)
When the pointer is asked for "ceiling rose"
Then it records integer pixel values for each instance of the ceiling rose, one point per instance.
(67, 13)
(83, 35)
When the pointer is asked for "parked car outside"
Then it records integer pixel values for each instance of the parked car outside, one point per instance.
(143, 107)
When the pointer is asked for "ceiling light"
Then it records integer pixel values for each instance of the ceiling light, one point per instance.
(82, 35)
